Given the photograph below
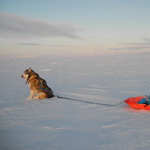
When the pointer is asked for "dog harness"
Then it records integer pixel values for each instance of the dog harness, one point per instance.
(46, 89)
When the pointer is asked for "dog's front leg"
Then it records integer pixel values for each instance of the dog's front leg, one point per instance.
(32, 94)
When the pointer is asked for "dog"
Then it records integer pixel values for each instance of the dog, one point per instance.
(38, 86)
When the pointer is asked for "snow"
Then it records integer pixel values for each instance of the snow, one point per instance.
(60, 124)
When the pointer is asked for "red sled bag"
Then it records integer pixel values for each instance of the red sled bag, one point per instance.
(140, 102)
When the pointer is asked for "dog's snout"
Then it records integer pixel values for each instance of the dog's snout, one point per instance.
(22, 76)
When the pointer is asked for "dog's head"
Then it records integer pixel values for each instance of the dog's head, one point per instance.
(27, 74)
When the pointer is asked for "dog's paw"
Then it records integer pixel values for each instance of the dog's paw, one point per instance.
(28, 98)
(36, 97)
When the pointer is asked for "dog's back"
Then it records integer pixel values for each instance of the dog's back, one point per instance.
(45, 87)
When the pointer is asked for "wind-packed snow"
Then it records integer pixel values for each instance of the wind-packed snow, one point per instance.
(60, 124)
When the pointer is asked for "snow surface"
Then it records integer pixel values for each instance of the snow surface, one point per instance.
(59, 124)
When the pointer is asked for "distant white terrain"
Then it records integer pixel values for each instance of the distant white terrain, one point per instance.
(60, 124)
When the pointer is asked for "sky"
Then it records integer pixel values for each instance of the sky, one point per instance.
(74, 27)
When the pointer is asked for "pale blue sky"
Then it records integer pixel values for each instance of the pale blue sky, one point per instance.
(74, 27)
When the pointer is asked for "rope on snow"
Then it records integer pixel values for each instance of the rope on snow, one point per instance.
(88, 102)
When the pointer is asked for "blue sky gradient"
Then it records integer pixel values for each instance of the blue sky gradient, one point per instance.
(68, 27)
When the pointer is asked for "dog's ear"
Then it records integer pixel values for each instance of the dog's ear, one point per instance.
(29, 69)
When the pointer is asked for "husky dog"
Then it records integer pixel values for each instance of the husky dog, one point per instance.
(38, 86)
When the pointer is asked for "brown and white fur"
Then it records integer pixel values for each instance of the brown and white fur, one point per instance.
(38, 86)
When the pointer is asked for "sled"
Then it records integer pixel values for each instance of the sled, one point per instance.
(140, 102)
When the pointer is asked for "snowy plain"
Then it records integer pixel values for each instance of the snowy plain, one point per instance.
(59, 124)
